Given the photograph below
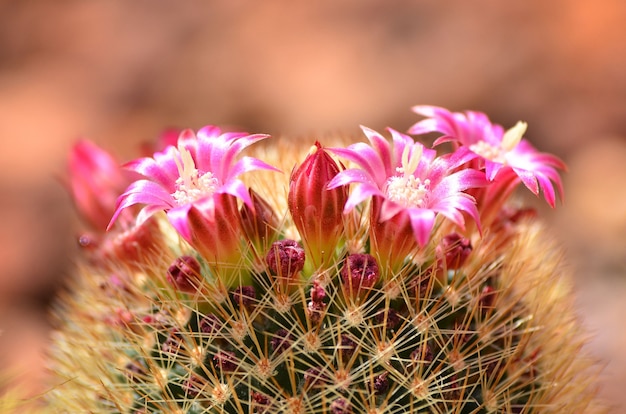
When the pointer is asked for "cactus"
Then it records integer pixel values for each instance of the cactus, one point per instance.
(380, 278)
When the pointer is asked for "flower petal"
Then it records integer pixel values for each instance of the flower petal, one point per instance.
(422, 222)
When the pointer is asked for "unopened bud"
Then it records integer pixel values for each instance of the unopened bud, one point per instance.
(316, 210)
(259, 224)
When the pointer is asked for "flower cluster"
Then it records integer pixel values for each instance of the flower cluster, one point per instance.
(377, 276)
(412, 188)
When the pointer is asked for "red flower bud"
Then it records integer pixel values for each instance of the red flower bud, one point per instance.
(259, 224)
(317, 211)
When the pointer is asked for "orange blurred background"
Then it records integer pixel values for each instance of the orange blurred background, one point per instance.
(119, 72)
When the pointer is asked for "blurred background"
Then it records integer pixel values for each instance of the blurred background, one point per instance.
(119, 72)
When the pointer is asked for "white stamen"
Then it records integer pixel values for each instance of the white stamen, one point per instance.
(192, 185)
(513, 136)
(510, 139)
(409, 165)
(408, 190)
(489, 152)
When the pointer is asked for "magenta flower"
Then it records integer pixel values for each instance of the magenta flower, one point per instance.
(200, 168)
(96, 180)
(410, 180)
(196, 185)
(498, 149)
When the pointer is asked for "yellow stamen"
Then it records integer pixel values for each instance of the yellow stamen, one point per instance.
(513, 136)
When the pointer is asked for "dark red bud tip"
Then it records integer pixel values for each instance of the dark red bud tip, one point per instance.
(194, 385)
(348, 346)
(281, 341)
(173, 342)
(340, 406)
(318, 293)
(316, 307)
(261, 402)
(453, 251)
(225, 361)
(244, 295)
(487, 298)
(388, 317)
(285, 258)
(381, 384)
(210, 324)
(423, 354)
(360, 272)
(185, 274)
(315, 377)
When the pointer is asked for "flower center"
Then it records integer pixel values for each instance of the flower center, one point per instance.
(192, 184)
(489, 152)
(494, 153)
(408, 190)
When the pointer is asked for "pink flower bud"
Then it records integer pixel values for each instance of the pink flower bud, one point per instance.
(318, 293)
(259, 224)
(194, 385)
(96, 180)
(359, 274)
(380, 384)
(317, 210)
(185, 274)
(347, 346)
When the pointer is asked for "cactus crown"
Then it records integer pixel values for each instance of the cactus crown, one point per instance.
(403, 308)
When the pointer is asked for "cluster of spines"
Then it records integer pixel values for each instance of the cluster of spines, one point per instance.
(424, 340)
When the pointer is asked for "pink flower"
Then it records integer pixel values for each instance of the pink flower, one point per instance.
(193, 174)
(96, 180)
(196, 185)
(410, 180)
(498, 149)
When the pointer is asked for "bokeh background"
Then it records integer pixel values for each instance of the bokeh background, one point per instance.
(119, 72)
